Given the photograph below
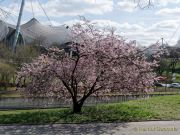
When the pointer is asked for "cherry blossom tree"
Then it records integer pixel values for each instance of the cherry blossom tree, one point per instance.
(99, 62)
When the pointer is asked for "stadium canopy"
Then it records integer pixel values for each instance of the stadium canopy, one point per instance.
(34, 32)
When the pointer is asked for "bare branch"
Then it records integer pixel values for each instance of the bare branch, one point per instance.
(144, 3)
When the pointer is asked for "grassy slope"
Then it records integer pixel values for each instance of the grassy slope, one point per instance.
(166, 107)
(161, 108)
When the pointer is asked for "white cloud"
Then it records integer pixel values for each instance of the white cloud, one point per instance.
(166, 2)
(147, 31)
(56, 8)
(127, 30)
(167, 29)
(143, 34)
(164, 25)
(108, 23)
(71, 22)
(13, 9)
(168, 11)
(126, 5)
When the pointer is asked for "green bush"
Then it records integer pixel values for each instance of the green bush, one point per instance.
(7, 73)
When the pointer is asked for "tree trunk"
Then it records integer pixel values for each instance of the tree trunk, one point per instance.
(77, 107)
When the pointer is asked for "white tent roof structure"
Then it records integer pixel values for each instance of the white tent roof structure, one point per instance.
(3, 30)
(33, 30)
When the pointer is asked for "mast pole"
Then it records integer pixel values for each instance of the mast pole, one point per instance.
(18, 26)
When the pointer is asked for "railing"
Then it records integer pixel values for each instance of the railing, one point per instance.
(27, 103)
(166, 89)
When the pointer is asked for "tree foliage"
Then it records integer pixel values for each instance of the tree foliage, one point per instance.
(9, 62)
(7, 73)
(100, 62)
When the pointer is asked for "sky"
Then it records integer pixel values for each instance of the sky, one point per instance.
(146, 26)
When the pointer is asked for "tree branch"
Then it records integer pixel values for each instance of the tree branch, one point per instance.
(85, 96)
(72, 75)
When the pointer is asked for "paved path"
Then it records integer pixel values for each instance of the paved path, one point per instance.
(133, 128)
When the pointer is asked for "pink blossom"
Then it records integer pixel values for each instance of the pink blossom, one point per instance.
(102, 62)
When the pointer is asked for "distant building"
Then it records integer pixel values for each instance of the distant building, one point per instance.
(33, 32)
(178, 44)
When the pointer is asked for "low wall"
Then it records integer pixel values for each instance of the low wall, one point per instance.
(25, 103)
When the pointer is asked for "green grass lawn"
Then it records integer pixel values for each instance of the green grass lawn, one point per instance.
(165, 107)
(178, 77)
(11, 94)
(156, 108)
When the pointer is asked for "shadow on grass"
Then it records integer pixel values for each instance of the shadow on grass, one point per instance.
(102, 113)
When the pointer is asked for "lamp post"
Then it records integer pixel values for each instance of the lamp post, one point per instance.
(18, 26)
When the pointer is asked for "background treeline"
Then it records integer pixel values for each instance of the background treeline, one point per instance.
(9, 62)
(170, 63)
